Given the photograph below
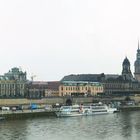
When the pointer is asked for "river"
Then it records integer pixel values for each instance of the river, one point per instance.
(118, 126)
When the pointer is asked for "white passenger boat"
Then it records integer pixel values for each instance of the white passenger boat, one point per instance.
(98, 109)
(80, 110)
(69, 111)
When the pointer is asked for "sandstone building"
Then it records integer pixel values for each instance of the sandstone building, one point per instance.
(137, 65)
(80, 88)
(113, 84)
(13, 84)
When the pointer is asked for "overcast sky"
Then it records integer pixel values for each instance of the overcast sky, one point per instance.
(53, 38)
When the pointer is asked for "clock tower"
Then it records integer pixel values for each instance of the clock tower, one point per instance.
(137, 65)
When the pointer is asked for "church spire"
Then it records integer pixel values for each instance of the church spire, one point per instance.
(138, 45)
(137, 64)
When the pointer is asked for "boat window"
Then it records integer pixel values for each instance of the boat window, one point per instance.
(66, 107)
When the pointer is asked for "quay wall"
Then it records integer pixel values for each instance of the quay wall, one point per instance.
(13, 116)
(8, 102)
(61, 100)
(28, 101)
(129, 108)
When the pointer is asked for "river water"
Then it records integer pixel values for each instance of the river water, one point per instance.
(118, 126)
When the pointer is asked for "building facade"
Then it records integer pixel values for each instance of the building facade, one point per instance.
(137, 65)
(113, 84)
(13, 84)
(36, 89)
(41, 89)
(122, 83)
(52, 89)
(76, 88)
(126, 71)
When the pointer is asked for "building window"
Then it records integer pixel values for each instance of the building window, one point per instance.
(61, 88)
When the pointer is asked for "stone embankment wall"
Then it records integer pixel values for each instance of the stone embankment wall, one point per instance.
(59, 100)
(23, 115)
(27, 101)
(44, 101)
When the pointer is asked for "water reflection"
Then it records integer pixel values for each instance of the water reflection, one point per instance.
(119, 126)
(127, 124)
(12, 130)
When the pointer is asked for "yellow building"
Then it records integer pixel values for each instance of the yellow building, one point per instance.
(76, 88)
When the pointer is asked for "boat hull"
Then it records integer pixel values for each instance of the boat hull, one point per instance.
(68, 115)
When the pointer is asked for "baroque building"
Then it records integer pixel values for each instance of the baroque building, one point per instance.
(80, 88)
(137, 65)
(13, 84)
(41, 89)
(113, 84)
(124, 84)
(36, 89)
(126, 72)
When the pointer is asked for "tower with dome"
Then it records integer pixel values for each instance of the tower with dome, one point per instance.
(126, 71)
(137, 65)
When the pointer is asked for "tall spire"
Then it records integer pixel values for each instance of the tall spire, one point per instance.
(138, 44)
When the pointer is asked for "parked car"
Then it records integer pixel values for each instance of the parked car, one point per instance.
(5, 108)
(48, 107)
(13, 109)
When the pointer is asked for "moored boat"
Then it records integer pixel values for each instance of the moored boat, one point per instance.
(82, 110)
(97, 109)
(69, 111)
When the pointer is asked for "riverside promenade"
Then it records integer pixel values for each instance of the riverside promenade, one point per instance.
(41, 104)
(28, 113)
(41, 111)
(47, 100)
(62, 100)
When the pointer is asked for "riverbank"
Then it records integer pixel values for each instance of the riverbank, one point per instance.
(9, 115)
(129, 108)
(41, 105)
(48, 100)
(62, 100)
(24, 114)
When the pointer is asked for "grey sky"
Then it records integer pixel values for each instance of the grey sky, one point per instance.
(53, 38)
